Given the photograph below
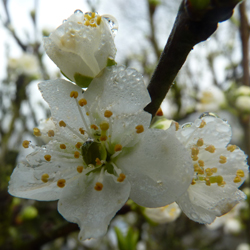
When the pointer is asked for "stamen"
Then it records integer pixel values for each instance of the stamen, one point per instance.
(208, 172)
(196, 167)
(108, 113)
(223, 159)
(176, 126)
(82, 102)
(201, 163)
(76, 154)
(200, 142)
(139, 129)
(98, 162)
(237, 179)
(98, 186)
(78, 145)
(47, 157)
(214, 170)
(203, 123)
(103, 138)
(193, 182)
(104, 126)
(82, 131)
(26, 144)
(210, 149)
(62, 146)
(195, 151)
(93, 126)
(194, 157)
(61, 183)
(159, 112)
(87, 113)
(62, 124)
(37, 132)
(118, 147)
(240, 173)
(98, 20)
(51, 133)
(74, 94)
(231, 148)
(79, 169)
(45, 178)
(87, 23)
(121, 177)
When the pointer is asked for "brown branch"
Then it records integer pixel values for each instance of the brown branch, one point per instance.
(191, 27)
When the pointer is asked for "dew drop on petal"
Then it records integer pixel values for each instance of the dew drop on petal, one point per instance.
(65, 20)
(78, 12)
(187, 125)
(113, 24)
(206, 114)
(197, 122)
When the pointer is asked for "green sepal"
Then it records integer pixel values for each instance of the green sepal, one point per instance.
(111, 62)
(82, 81)
(66, 76)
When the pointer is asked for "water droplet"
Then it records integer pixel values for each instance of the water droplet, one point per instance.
(113, 24)
(88, 13)
(65, 20)
(224, 120)
(197, 122)
(159, 182)
(78, 12)
(210, 114)
(187, 125)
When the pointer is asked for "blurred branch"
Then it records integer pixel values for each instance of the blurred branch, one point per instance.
(193, 24)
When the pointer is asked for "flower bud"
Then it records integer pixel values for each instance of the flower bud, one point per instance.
(82, 46)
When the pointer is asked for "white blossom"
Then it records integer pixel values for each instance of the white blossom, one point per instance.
(219, 169)
(243, 103)
(102, 152)
(82, 46)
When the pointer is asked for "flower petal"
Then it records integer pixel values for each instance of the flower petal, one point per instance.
(203, 204)
(158, 168)
(92, 210)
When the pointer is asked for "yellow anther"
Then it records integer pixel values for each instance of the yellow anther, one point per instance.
(193, 182)
(103, 138)
(208, 172)
(76, 154)
(98, 20)
(87, 23)
(195, 151)
(36, 132)
(222, 184)
(45, 178)
(176, 126)
(93, 15)
(118, 147)
(98, 186)
(200, 142)
(139, 129)
(87, 16)
(208, 183)
(93, 126)
(121, 177)
(210, 149)
(82, 102)
(74, 94)
(108, 113)
(79, 169)
(203, 123)
(78, 145)
(237, 179)
(87, 113)
(194, 157)
(200, 171)
(216, 179)
(231, 148)
(98, 162)
(201, 163)
(240, 173)
(159, 112)
(47, 157)
(82, 131)
(51, 133)
(214, 170)
(62, 146)
(26, 144)
(104, 126)
(79, 22)
(196, 167)
(223, 159)
(61, 183)
(62, 124)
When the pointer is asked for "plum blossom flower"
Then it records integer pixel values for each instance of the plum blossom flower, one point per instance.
(102, 152)
(166, 214)
(219, 169)
(82, 46)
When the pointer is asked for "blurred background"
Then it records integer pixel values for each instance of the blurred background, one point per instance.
(215, 78)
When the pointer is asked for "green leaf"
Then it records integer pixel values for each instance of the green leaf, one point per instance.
(121, 240)
(132, 238)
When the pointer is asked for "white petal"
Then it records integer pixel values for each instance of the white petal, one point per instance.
(120, 90)
(215, 132)
(159, 168)
(92, 210)
(204, 203)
